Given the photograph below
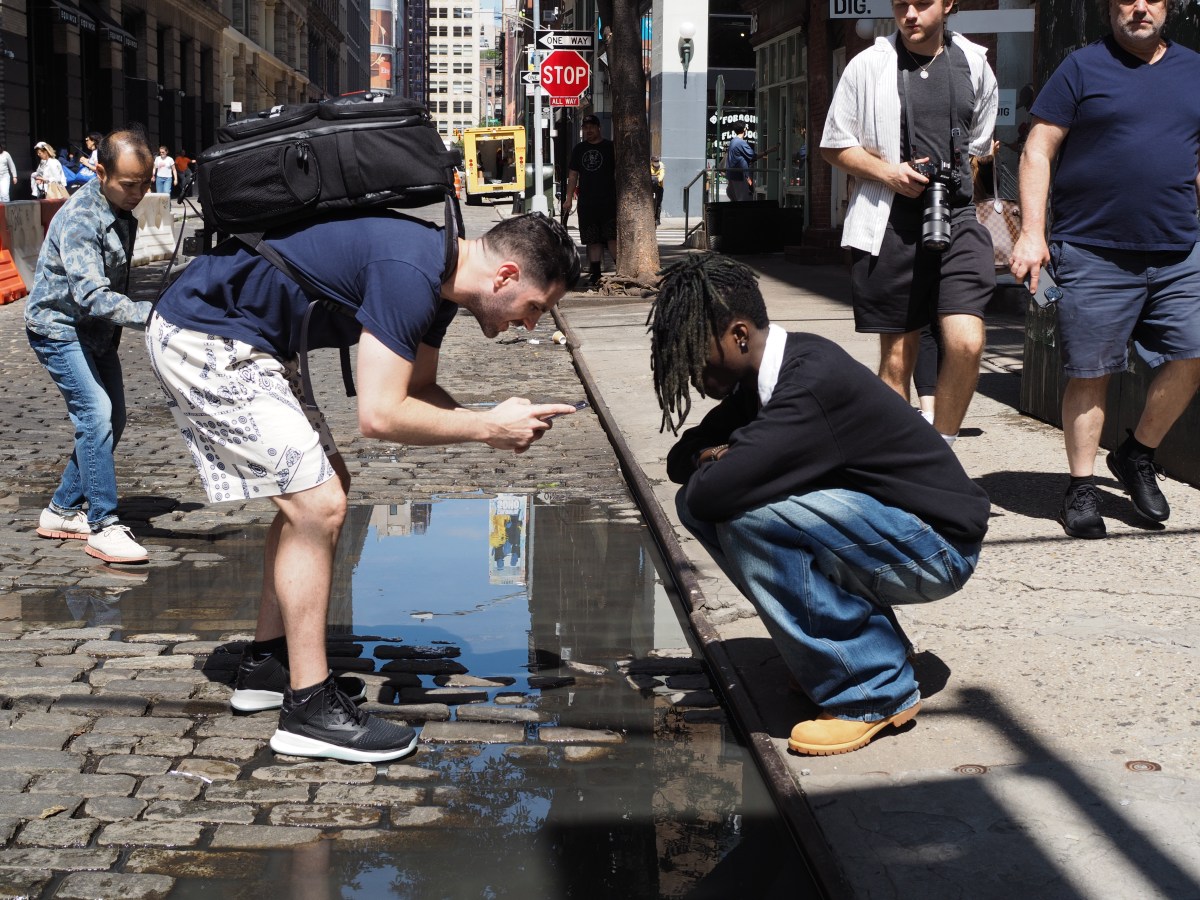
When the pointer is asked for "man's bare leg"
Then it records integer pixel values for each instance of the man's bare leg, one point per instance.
(298, 574)
(962, 349)
(1083, 420)
(1173, 388)
(897, 359)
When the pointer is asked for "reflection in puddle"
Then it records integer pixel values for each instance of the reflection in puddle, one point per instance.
(577, 746)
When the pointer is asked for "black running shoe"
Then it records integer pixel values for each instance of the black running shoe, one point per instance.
(261, 682)
(1139, 476)
(327, 724)
(1080, 514)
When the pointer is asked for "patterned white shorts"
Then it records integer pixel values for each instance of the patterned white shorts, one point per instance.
(240, 413)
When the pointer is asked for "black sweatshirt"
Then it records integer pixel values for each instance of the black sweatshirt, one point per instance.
(830, 423)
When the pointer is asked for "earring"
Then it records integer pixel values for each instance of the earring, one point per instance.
(744, 346)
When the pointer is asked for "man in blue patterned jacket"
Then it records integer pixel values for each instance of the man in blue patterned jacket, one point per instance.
(73, 319)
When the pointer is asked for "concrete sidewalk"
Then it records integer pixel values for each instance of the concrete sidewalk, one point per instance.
(1058, 751)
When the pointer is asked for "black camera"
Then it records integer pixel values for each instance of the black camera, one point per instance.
(935, 223)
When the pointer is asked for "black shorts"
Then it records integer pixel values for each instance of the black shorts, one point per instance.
(906, 287)
(597, 231)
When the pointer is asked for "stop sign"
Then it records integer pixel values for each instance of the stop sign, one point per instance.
(565, 74)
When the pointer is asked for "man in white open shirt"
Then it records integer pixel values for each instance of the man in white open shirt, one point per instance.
(944, 83)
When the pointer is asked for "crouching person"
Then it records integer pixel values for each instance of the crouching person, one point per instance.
(822, 495)
(224, 342)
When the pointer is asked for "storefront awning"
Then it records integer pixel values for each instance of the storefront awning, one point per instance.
(108, 27)
(67, 13)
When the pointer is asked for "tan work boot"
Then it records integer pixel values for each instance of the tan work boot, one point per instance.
(825, 735)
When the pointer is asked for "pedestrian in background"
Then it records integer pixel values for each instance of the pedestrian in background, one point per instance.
(1127, 262)
(165, 175)
(818, 492)
(48, 180)
(73, 317)
(739, 159)
(8, 174)
(91, 143)
(183, 174)
(658, 177)
(911, 110)
(593, 174)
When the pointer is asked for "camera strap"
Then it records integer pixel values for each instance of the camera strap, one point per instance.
(955, 131)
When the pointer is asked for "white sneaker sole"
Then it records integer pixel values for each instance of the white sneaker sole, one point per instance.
(255, 701)
(247, 700)
(63, 535)
(99, 554)
(297, 745)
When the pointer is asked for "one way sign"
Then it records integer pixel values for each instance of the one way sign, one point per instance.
(532, 77)
(568, 40)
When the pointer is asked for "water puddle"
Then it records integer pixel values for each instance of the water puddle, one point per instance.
(613, 772)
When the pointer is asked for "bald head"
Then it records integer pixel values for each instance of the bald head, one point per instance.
(125, 168)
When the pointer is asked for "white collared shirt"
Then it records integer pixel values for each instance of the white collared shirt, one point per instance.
(772, 361)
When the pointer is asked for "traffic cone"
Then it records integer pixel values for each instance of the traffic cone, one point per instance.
(457, 184)
(11, 286)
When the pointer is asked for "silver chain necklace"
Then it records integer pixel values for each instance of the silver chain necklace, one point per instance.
(924, 68)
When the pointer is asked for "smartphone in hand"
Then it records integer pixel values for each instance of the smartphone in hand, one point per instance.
(1048, 293)
(582, 404)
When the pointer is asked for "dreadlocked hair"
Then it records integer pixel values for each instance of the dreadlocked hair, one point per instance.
(697, 299)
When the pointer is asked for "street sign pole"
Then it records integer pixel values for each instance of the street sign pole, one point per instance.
(539, 190)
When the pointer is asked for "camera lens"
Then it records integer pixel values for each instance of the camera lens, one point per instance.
(935, 225)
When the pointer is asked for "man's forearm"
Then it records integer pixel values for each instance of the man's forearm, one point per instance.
(427, 417)
(859, 162)
(1033, 183)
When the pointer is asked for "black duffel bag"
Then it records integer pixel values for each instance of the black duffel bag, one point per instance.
(292, 163)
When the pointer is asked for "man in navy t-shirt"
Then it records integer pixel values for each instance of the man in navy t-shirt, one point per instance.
(1122, 118)
(224, 340)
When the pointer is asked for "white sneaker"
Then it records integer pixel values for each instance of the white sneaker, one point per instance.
(55, 525)
(115, 544)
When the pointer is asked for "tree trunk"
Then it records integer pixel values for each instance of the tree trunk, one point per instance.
(637, 243)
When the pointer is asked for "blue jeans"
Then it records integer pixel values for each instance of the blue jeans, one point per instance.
(92, 385)
(822, 569)
(162, 184)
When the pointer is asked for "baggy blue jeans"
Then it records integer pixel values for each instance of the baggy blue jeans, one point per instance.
(91, 383)
(823, 569)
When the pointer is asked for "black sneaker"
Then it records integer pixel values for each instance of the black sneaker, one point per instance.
(1139, 476)
(261, 682)
(1080, 515)
(326, 724)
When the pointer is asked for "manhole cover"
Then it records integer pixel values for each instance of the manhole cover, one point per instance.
(971, 769)
(1142, 765)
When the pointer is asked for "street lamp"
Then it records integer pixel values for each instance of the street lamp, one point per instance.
(687, 31)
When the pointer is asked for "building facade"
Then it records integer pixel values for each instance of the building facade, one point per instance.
(454, 74)
(179, 68)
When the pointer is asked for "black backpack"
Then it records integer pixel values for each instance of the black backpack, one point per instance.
(293, 163)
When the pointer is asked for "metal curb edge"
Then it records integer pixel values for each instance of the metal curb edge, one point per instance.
(788, 796)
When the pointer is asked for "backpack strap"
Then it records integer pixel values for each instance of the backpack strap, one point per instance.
(316, 297)
(454, 230)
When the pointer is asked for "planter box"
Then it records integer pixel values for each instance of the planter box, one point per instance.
(752, 226)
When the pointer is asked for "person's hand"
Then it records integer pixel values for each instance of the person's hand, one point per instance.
(516, 423)
(907, 181)
(1029, 254)
(710, 454)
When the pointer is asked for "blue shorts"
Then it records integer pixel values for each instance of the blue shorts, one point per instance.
(1110, 296)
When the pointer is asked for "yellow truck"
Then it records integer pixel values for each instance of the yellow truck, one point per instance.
(495, 162)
